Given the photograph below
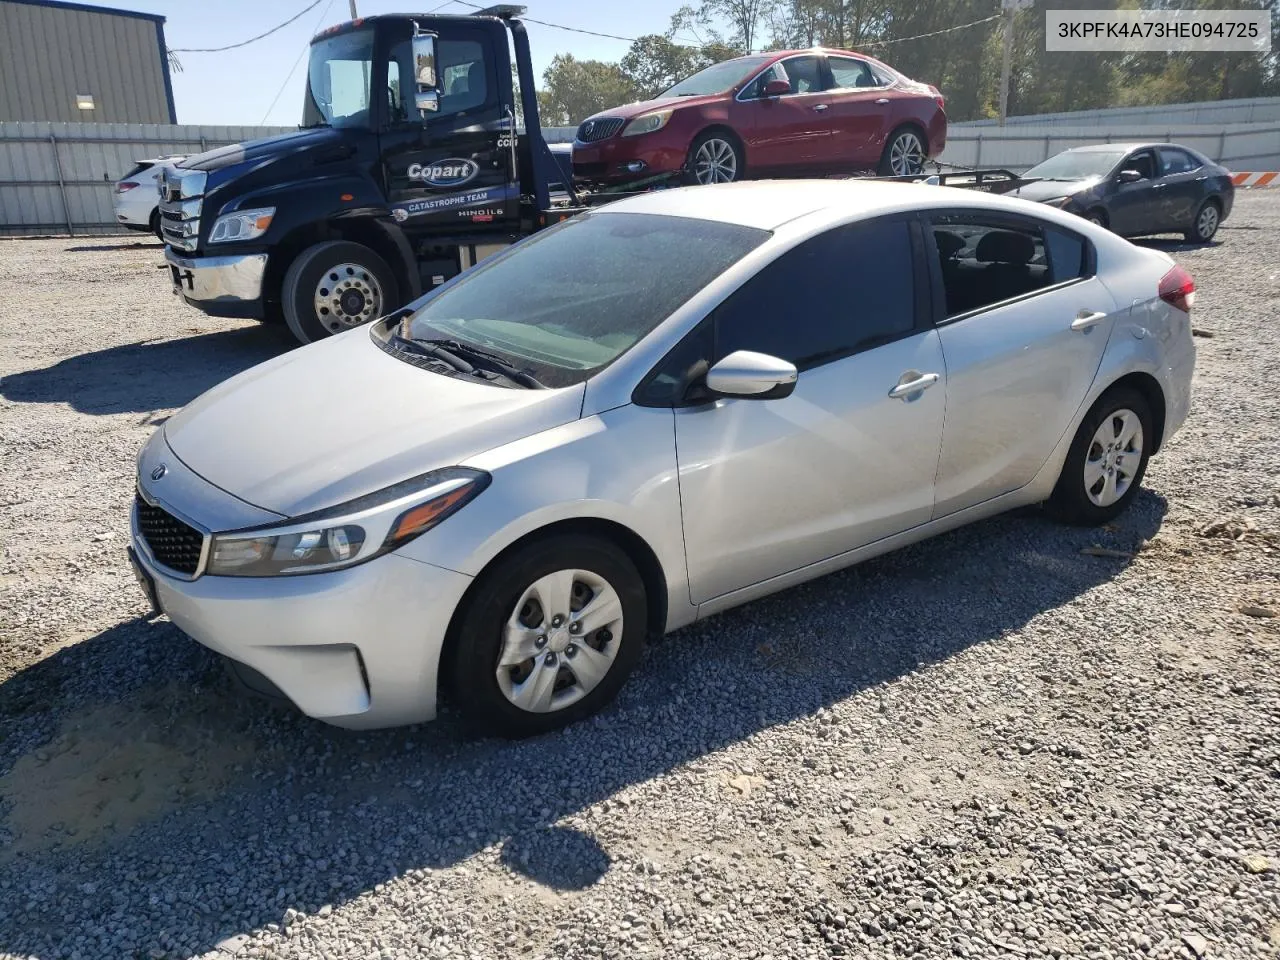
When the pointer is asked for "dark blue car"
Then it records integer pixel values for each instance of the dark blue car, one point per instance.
(1136, 189)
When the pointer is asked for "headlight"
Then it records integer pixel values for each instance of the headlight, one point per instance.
(349, 533)
(647, 124)
(242, 225)
(1058, 202)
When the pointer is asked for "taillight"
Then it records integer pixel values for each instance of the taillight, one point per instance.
(122, 187)
(1178, 289)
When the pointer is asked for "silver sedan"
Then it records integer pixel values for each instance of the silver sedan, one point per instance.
(650, 413)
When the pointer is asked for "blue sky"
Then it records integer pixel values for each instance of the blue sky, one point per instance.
(238, 86)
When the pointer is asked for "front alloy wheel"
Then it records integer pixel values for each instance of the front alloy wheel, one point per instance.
(715, 160)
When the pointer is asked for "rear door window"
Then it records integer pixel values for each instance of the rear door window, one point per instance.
(989, 261)
(1174, 160)
(849, 74)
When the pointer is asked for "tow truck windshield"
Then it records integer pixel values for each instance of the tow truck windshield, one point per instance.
(572, 299)
(338, 80)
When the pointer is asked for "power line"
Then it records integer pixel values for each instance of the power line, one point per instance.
(614, 36)
(294, 68)
(245, 43)
(935, 33)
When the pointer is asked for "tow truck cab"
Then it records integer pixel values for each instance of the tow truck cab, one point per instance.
(407, 169)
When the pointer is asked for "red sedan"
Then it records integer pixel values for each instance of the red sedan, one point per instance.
(794, 112)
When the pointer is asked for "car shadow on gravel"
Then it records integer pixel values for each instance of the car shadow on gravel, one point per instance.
(103, 247)
(147, 376)
(148, 809)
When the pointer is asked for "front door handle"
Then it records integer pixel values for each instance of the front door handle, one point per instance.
(820, 107)
(883, 100)
(1084, 319)
(904, 391)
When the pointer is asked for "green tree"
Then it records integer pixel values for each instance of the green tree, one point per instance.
(575, 89)
(655, 62)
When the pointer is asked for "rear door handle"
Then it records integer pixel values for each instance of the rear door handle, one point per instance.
(1084, 319)
(883, 100)
(820, 107)
(921, 383)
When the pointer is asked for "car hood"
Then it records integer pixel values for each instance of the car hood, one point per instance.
(252, 150)
(342, 418)
(1052, 189)
(629, 110)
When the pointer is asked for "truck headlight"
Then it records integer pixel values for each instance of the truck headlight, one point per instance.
(349, 533)
(647, 124)
(242, 225)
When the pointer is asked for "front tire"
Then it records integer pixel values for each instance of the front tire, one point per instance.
(1098, 217)
(715, 157)
(1205, 225)
(333, 286)
(548, 636)
(154, 224)
(1107, 460)
(904, 154)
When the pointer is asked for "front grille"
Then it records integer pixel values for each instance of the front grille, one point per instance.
(601, 129)
(172, 542)
(181, 199)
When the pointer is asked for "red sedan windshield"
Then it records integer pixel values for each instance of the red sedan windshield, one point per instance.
(717, 78)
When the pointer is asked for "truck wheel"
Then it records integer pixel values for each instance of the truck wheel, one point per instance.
(334, 286)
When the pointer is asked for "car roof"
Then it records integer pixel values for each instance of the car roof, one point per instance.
(1114, 147)
(768, 204)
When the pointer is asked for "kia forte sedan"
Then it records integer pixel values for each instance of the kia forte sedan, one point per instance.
(650, 413)
(1137, 189)
(786, 113)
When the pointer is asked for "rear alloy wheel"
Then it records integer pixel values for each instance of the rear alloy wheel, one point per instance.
(714, 158)
(904, 155)
(1208, 217)
(548, 636)
(1107, 460)
(335, 286)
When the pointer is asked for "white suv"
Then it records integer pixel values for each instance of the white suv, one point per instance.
(135, 198)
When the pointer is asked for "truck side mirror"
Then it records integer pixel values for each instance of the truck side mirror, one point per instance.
(426, 95)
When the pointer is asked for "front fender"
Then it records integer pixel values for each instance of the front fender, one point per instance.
(618, 466)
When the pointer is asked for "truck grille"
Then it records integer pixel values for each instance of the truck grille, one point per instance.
(181, 198)
(600, 129)
(173, 543)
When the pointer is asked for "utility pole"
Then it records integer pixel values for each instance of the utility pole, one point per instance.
(1010, 10)
(354, 15)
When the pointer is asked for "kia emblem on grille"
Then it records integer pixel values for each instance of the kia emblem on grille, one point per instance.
(159, 472)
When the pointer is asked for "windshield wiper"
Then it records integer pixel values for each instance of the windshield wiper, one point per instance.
(485, 360)
(431, 348)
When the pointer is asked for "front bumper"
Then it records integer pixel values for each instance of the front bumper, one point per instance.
(228, 286)
(606, 161)
(357, 648)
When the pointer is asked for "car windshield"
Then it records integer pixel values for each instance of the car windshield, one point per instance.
(338, 81)
(1077, 165)
(717, 78)
(572, 299)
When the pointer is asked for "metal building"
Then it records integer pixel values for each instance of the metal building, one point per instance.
(74, 62)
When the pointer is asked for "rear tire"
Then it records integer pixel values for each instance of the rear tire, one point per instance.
(334, 286)
(1206, 223)
(904, 153)
(505, 606)
(1107, 460)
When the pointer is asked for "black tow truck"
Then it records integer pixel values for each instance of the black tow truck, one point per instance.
(408, 168)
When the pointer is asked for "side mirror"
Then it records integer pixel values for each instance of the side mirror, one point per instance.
(426, 96)
(1130, 176)
(753, 376)
(777, 88)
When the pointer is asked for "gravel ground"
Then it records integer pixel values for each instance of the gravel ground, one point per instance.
(988, 745)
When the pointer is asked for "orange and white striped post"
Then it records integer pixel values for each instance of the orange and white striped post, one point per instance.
(1269, 179)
